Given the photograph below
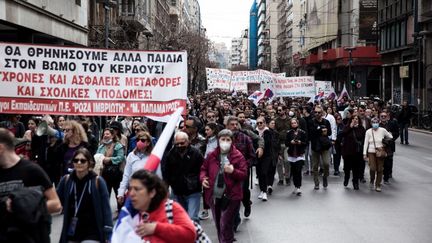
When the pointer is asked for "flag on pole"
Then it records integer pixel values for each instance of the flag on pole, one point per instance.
(256, 96)
(124, 230)
(343, 94)
(157, 152)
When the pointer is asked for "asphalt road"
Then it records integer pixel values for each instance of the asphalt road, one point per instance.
(400, 213)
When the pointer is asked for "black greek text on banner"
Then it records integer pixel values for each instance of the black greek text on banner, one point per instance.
(39, 79)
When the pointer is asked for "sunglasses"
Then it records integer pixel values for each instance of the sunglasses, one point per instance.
(80, 160)
(144, 140)
(260, 123)
(210, 116)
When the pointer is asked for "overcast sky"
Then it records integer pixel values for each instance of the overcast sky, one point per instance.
(225, 19)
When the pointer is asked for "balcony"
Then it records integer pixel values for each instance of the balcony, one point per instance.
(134, 15)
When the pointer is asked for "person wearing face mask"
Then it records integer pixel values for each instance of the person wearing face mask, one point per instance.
(136, 160)
(222, 175)
(181, 172)
(373, 140)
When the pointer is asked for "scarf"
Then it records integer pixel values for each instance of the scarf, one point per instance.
(261, 132)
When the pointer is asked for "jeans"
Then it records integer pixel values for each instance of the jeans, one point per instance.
(388, 167)
(336, 160)
(404, 132)
(353, 163)
(263, 171)
(316, 156)
(296, 169)
(307, 162)
(191, 204)
(283, 166)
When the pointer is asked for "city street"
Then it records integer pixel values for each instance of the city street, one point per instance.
(399, 213)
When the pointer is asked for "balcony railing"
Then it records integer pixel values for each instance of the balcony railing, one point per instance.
(135, 15)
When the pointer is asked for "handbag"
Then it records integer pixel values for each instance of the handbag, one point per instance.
(379, 152)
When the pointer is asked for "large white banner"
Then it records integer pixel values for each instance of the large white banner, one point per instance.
(39, 79)
(218, 79)
(294, 86)
(240, 79)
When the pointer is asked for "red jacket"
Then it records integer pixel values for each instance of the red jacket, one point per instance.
(181, 230)
(233, 182)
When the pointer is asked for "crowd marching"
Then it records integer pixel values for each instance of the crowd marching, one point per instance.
(208, 165)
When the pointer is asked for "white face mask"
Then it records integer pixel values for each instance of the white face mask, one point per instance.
(291, 113)
(225, 146)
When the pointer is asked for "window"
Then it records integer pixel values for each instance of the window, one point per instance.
(403, 33)
(382, 40)
(78, 2)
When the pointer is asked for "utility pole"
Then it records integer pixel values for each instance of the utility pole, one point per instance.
(350, 49)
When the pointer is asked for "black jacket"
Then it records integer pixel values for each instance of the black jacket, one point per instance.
(315, 133)
(392, 127)
(182, 172)
(352, 135)
(296, 150)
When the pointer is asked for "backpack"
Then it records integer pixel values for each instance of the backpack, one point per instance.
(201, 237)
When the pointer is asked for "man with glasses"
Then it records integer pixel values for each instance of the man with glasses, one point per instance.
(391, 125)
(181, 171)
(191, 127)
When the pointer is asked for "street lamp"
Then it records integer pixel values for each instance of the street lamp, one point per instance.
(350, 49)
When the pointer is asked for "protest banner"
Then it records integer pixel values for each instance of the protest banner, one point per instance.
(324, 87)
(241, 79)
(294, 86)
(218, 79)
(57, 80)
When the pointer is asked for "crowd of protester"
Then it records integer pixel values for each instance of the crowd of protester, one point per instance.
(210, 162)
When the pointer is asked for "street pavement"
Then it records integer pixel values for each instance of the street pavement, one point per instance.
(400, 213)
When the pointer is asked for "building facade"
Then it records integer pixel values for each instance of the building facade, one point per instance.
(338, 43)
(61, 22)
(267, 34)
(236, 47)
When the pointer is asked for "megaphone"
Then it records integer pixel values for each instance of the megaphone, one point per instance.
(44, 129)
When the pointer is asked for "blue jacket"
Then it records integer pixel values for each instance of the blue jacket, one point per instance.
(101, 205)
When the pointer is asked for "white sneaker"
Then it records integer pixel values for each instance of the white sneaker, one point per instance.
(298, 191)
(260, 196)
(264, 197)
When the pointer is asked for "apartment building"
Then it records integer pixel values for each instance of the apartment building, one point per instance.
(60, 22)
(338, 43)
(405, 36)
(267, 34)
(236, 47)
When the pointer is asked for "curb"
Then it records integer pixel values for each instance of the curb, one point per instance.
(420, 131)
